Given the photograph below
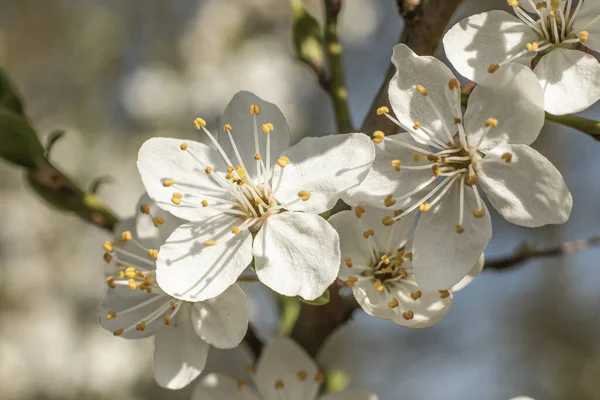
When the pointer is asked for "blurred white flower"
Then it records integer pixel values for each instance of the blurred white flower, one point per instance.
(135, 307)
(552, 37)
(283, 371)
(377, 265)
(439, 164)
(265, 207)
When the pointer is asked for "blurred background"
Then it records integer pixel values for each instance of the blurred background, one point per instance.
(113, 73)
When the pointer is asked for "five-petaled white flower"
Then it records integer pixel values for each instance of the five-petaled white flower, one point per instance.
(251, 196)
(377, 265)
(439, 164)
(552, 36)
(135, 307)
(283, 371)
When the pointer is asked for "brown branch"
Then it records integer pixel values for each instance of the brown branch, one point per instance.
(425, 24)
(527, 252)
(253, 341)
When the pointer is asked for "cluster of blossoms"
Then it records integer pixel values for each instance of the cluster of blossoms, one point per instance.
(418, 226)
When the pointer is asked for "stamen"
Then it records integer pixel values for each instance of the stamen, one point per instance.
(183, 146)
(304, 195)
(383, 110)
(145, 209)
(359, 211)
(422, 91)
(378, 136)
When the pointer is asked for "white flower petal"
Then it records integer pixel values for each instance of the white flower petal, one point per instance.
(190, 270)
(282, 359)
(487, 38)
(149, 234)
(588, 20)
(477, 268)
(221, 387)
(528, 190)
(128, 253)
(131, 308)
(162, 158)
(326, 167)
(223, 320)
(351, 394)
(514, 97)
(353, 245)
(441, 256)
(410, 106)
(372, 301)
(237, 114)
(297, 254)
(569, 79)
(179, 354)
(383, 180)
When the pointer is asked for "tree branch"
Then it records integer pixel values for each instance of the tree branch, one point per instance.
(253, 341)
(527, 252)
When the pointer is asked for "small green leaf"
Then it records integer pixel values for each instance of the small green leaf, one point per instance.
(8, 95)
(19, 143)
(52, 139)
(319, 301)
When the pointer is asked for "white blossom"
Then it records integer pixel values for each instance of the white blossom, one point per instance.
(135, 307)
(445, 158)
(553, 37)
(377, 265)
(251, 197)
(283, 371)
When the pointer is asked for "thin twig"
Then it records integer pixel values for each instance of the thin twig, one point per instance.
(527, 252)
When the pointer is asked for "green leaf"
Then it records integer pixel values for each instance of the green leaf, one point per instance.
(19, 143)
(319, 301)
(9, 98)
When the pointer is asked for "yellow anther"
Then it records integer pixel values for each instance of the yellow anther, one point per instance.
(257, 157)
(583, 36)
(388, 220)
(230, 169)
(408, 255)
(126, 236)
(121, 274)
(208, 169)
(436, 170)
(319, 377)
(235, 230)
(132, 284)
(385, 259)
(389, 201)
(157, 221)
(266, 128)
(130, 274)
(398, 212)
(433, 158)
(141, 326)
(168, 182)
(555, 4)
(453, 84)
(378, 286)
(302, 375)
(393, 303)
(493, 68)
(507, 157)
(199, 123)
(396, 164)
(553, 15)
(241, 171)
(111, 315)
(173, 305)
(118, 332)
(408, 315)
(175, 200)
(425, 206)
(472, 179)
(378, 136)
(417, 125)
(108, 246)
(167, 319)
(240, 384)
(130, 269)
(209, 243)
(348, 262)
(457, 121)
(139, 274)
(254, 109)
(422, 91)
(403, 272)
(491, 123)
(531, 46)
(149, 290)
(444, 293)
(368, 233)
(279, 384)
(459, 228)
(479, 213)
(416, 295)
(177, 195)
(226, 127)
(359, 211)
(383, 110)
(145, 209)
(351, 281)
(540, 5)
(513, 3)
(204, 203)
(304, 195)
(281, 162)
(183, 146)
(153, 253)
